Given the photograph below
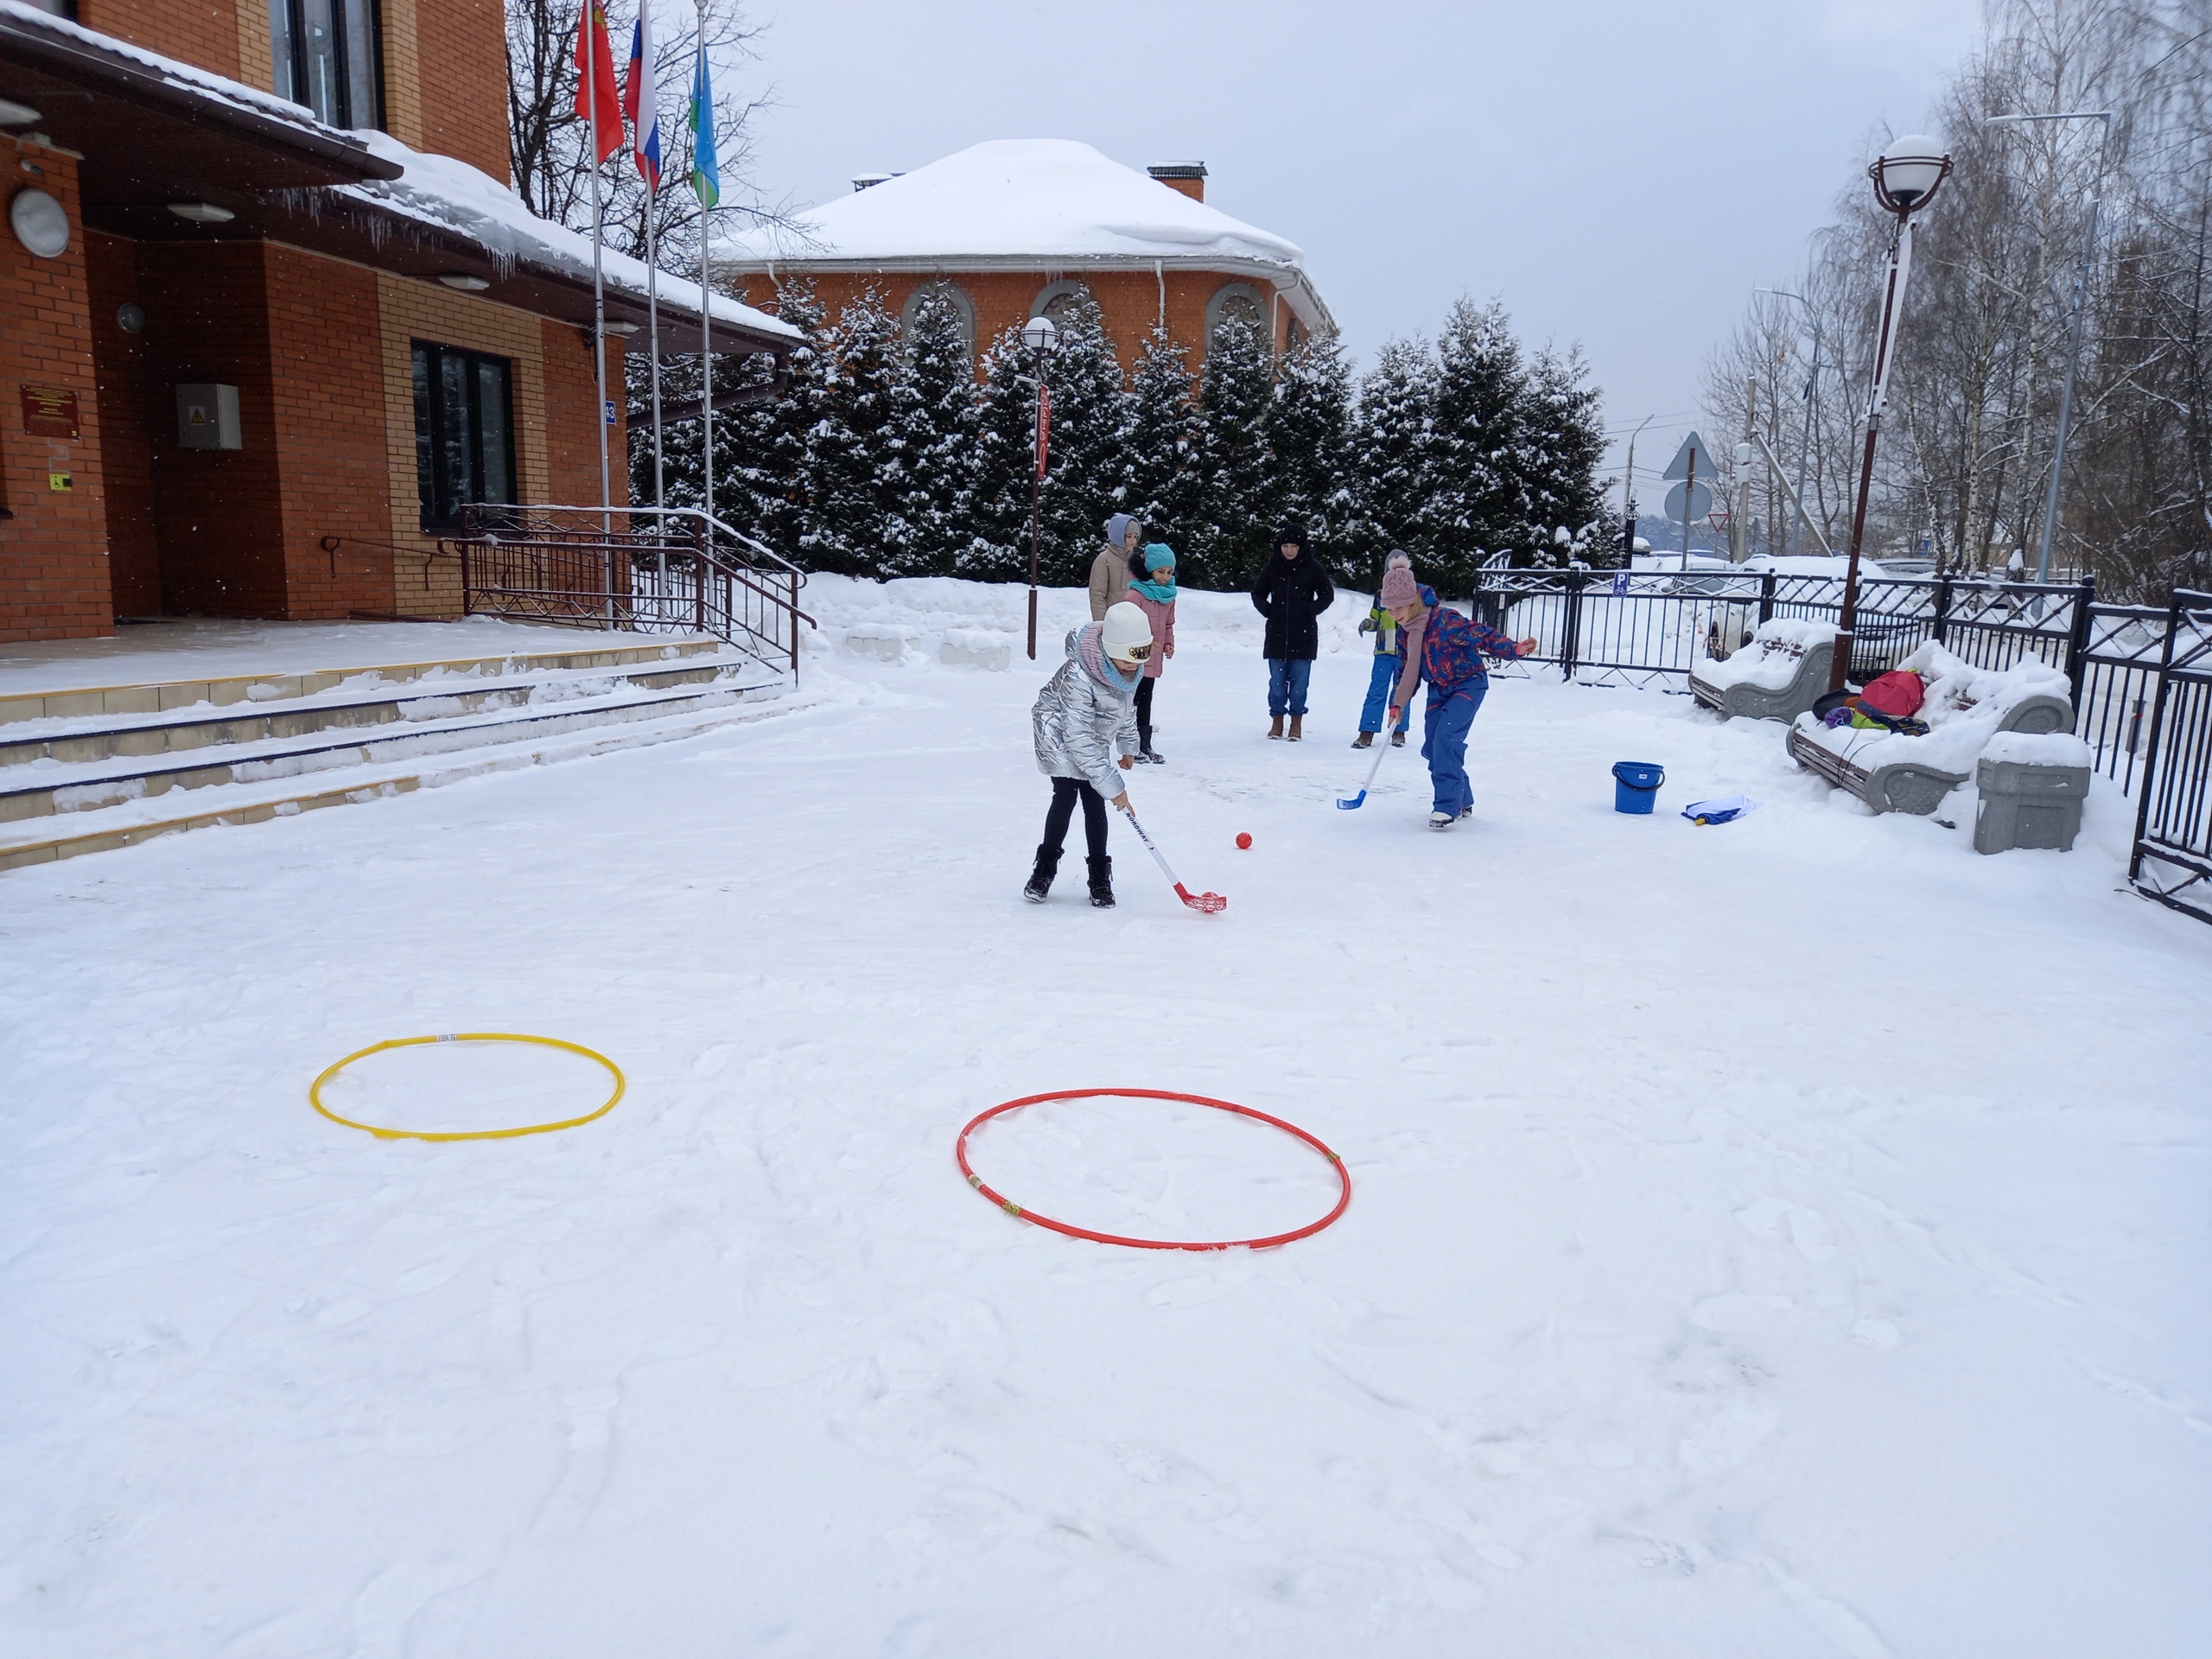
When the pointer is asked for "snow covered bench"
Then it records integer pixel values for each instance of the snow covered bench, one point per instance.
(885, 641)
(1777, 677)
(984, 648)
(1964, 709)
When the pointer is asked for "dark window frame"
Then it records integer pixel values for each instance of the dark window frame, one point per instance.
(427, 361)
(289, 47)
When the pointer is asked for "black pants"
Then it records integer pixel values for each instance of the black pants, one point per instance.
(1065, 792)
(1144, 713)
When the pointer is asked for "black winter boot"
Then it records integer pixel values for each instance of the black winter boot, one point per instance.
(1102, 883)
(1040, 879)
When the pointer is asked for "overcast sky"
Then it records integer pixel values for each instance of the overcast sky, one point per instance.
(1620, 173)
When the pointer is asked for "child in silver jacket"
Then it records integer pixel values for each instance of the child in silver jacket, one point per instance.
(1085, 726)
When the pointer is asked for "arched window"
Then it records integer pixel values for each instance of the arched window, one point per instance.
(1241, 302)
(1056, 300)
(940, 288)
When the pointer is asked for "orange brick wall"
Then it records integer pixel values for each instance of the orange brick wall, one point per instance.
(461, 50)
(53, 576)
(202, 32)
(571, 439)
(327, 392)
(126, 452)
(1129, 301)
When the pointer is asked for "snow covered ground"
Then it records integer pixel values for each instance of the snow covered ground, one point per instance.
(1784, 1239)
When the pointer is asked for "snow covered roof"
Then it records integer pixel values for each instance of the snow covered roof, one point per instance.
(458, 206)
(440, 191)
(1024, 204)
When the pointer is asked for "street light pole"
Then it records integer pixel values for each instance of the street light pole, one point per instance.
(1628, 496)
(1812, 380)
(2074, 343)
(1906, 176)
(1042, 336)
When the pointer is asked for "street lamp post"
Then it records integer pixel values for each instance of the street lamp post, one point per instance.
(1812, 380)
(1906, 176)
(2074, 343)
(1042, 337)
(1628, 497)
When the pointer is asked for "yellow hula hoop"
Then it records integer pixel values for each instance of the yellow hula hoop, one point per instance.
(314, 1089)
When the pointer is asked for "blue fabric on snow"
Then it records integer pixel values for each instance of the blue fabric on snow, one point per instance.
(1287, 681)
(1380, 678)
(1444, 744)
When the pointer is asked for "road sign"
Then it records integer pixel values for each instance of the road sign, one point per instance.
(1679, 467)
(1699, 505)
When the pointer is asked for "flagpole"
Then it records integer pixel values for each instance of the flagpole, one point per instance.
(706, 359)
(598, 302)
(652, 323)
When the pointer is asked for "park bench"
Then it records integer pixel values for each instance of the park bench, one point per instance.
(1966, 707)
(1777, 677)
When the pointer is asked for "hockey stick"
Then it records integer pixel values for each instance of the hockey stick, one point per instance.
(1382, 747)
(1208, 902)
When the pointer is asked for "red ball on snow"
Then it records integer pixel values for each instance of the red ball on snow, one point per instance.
(1243, 838)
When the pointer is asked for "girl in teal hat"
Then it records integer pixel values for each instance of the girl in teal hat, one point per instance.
(1152, 589)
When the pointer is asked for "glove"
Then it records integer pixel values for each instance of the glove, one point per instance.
(1367, 624)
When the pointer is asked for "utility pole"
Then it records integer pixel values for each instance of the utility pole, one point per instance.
(1739, 529)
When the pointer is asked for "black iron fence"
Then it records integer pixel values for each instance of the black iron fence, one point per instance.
(638, 569)
(2141, 675)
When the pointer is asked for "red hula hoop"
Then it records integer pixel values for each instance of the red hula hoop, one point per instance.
(1343, 1175)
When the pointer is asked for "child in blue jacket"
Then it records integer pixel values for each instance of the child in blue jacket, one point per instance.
(1390, 658)
(1446, 649)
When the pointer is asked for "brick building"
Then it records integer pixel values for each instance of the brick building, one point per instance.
(1015, 228)
(268, 312)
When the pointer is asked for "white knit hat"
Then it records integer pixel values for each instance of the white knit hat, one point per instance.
(1126, 627)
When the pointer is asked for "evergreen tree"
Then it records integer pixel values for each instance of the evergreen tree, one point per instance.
(1475, 499)
(1160, 450)
(1563, 442)
(762, 483)
(1391, 440)
(1000, 444)
(1229, 539)
(1309, 449)
(932, 402)
(1085, 482)
(855, 466)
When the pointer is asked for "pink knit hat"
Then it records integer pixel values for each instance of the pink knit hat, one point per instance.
(1399, 587)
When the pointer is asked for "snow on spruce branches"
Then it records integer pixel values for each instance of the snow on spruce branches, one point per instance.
(889, 457)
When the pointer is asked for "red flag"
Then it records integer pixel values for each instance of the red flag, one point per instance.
(595, 79)
(1044, 426)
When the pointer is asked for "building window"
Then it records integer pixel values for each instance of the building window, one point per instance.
(952, 292)
(1059, 300)
(464, 432)
(1241, 301)
(324, 52)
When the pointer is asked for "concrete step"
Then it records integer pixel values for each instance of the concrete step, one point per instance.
(54, 789)
(90, 739)
(163, 696)
(128, 823)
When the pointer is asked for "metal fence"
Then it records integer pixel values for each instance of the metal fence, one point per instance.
(2141, 675)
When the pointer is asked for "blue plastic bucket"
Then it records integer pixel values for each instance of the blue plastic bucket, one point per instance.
(1636, 785)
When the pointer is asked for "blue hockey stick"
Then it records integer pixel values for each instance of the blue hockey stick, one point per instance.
(1382, 749)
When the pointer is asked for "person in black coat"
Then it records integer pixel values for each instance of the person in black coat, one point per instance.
(1291, 591)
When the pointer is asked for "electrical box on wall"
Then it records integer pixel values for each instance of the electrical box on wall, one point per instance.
(208, 417)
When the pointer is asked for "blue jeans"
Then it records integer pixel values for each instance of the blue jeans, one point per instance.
(1380, 679)
(1444, 744)
(1287, 678)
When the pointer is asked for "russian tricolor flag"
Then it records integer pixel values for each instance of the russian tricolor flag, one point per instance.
(641, 100)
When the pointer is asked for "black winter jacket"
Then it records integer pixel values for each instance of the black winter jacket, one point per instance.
(1291, 594)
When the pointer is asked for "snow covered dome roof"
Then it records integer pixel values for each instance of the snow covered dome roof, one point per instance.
(1022, 202)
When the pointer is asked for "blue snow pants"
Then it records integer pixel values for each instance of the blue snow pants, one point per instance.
(1287, 678)
(1444, 744)
(1380, 679)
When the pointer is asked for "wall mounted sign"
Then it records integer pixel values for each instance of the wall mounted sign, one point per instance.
(49, 411)
(60, 481)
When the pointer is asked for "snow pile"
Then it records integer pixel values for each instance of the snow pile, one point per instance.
(924, 613)
(1772, 659)
(984, 648)
(2039, 749)
(1965, 707)
(1026, 199)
